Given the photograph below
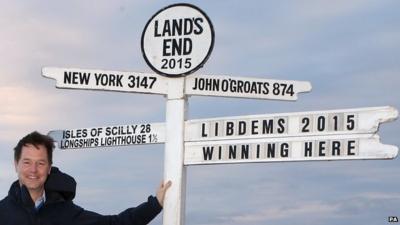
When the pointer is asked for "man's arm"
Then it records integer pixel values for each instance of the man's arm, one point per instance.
(139, 215)
(161, 192)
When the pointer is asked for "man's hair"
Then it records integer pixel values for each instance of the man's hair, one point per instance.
(35, 138)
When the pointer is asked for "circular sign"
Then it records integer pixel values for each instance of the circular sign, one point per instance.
(177, 40)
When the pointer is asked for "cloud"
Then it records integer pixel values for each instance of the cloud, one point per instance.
(286, 212)
(18, 106)
(19, 110)
(316, 211)
(322, 10)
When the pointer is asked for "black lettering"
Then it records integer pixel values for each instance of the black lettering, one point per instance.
(254, 88)
(67, 77)
(97, 76)
(208, 152)
(216, 130)
(284, 149)
(246, 87)
(215, 85)
(119, 81)
(258, 151)
(195, 84)
(166, 47)
(321, 123)
(254, 127)
(208, 84)
(108, 131)
(201, 84)
(351, 145)
(335, 148)
(321, 148)
(224, 85)
(156, 34)
(203, 130)
(233, 87)
(176, 27)
(75, 77)
(111, 80)
(176, 46)
(229, 128)
(188, 26)
(187, 46)
(308, 146)
(245, 152)
(281, 125)
(271, 150)
(306, 122)
(240, 86)
(265, 88)
(167, 28)
(65, 134)
(84, 78)
(350, 122)
(179, 46)
(199, 29)
(268, 126)
(232, 151)
(242, 128)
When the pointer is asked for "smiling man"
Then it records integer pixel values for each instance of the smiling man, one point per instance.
(43, 195)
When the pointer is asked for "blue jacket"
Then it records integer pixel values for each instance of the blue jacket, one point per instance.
(18, 208)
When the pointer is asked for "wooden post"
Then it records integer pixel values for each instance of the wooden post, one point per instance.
(174, 170)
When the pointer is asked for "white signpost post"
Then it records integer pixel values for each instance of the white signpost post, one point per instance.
(176, 42)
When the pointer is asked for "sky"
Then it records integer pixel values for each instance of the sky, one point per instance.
(348, 50)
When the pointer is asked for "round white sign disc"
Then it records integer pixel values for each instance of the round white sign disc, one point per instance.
(177, 40)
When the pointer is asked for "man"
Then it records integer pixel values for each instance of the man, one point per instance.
(43, 195)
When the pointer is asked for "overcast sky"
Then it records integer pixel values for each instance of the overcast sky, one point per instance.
(348, 50)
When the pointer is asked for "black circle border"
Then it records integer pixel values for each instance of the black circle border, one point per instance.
(198, 66)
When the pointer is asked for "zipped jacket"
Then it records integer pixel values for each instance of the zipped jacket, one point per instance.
(18, 207)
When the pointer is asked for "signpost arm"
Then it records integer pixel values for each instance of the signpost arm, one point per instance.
(174, 170)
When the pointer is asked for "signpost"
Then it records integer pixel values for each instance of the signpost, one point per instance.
(326, 147)
(321, 135)
(244, 87)
(330, 122)
(110, 136)
(176, 42)
(74, 78)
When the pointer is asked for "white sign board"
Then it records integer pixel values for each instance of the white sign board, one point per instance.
(136, 82)
(109, 136)
(311, 148)
(177, 40)
(244, 87)
(302, 136)
(341, 121)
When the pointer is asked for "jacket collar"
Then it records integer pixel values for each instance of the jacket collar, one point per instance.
(21, 194)
(58, 187)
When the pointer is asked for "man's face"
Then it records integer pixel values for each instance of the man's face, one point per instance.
(33, 167)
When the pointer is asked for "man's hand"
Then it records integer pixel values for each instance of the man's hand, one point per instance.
(161, 192)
